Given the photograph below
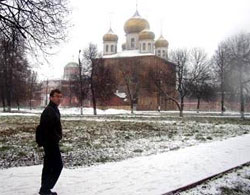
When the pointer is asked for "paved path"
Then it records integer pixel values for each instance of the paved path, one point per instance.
(152, 175)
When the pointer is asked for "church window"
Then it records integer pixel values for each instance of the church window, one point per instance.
(112, 48)
(163, 53)
(115, 49)
(107, 48)
(144, 46)
(132, 43)
(159, 52)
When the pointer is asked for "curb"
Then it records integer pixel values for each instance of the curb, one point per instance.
(192, 185)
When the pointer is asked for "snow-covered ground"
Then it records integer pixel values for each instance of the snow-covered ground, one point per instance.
(159, 143)
(89, 112)
(65, 111)
(152, 175)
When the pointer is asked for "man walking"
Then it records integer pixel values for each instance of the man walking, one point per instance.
(50, 125)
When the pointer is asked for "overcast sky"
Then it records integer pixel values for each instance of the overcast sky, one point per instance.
(184, 23)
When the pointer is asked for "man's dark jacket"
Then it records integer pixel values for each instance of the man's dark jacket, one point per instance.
(51, 124)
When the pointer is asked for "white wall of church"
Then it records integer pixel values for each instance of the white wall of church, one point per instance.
(162, 52)
(132, 41)
(109, 48)
(146, 46)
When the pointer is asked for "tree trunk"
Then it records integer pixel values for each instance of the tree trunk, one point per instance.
(80, 77)
(30, 104)
(198, 104)
(132, 107)
(17, 103)
(242, 106)
(182, 107)
(9, 90)
(222, 97)
(3, 102)
(46, 97)
(159, 102)
(93, 98)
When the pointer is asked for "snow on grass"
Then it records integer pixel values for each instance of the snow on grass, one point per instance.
(236, 182)
(93, 140)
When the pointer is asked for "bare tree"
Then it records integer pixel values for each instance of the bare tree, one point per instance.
(41, 21)
(164, 78)
(32, 84)
(180, 58)
(199, 76)
(130, 77)
(99, 78)
(90, 56)
(222, 69)
(20, 82)
(82, 92)
(239, 56)
(79, 86)
(105, 83)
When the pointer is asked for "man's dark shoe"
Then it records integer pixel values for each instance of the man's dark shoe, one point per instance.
(48, 193)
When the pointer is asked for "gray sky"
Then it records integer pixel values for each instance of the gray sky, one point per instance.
(184, 23)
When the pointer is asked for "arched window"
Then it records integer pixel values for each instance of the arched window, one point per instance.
(107, 48)
(163, 53)
(144, 46)
(132, 43)
(159, 52)
(112, 48)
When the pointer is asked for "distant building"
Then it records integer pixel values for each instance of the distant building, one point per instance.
(70, 71)
(140, 52)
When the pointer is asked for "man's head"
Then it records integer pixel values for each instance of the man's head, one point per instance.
(56, 96)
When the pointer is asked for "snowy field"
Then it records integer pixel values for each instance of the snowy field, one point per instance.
(116, 136)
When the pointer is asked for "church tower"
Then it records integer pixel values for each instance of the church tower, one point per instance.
(110, 40)
(132, 28)
(161, 47)
(146, 41)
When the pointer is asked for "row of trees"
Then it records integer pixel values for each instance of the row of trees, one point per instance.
(26, 26)
(197, 75)
(17, 81)
(232, 66)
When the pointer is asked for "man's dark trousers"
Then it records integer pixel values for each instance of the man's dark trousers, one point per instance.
(52, 166)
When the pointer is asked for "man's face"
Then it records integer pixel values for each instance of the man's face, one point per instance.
(56, 98)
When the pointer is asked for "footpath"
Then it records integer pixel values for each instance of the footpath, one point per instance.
(148, 175)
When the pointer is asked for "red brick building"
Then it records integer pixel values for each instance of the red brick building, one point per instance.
(147, 95)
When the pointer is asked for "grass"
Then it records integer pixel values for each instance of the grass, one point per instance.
(87, 142)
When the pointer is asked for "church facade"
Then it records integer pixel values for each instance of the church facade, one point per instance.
(140, 56)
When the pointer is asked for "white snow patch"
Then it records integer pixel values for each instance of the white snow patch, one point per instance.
(128, 53)
(120, 94)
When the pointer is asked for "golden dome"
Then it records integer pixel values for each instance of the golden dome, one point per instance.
(161, 42)
(110, 36)
(146, 34)
(136, 24)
